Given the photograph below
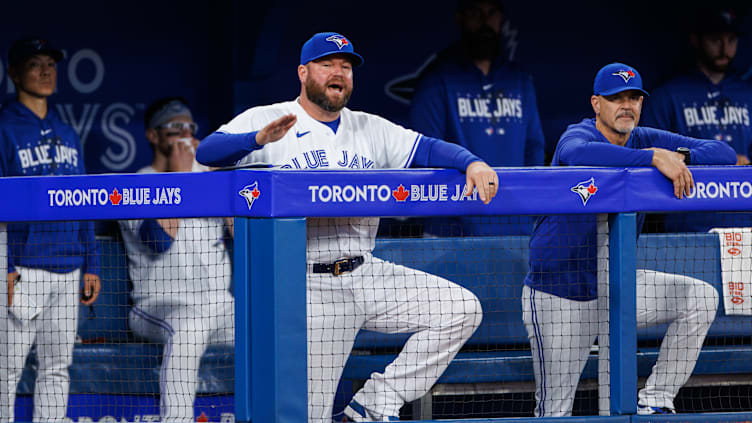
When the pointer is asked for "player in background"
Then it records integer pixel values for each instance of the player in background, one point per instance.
(709, 101)
(348, 288)
(180, 269)
(46, 261)
(474, 96)
(559, 298)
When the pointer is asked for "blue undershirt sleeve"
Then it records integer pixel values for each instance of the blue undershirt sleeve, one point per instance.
(222, 149)
(154, 237)
(575, 151)
(433, 152)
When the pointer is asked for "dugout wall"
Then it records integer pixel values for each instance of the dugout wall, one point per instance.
(270, 379)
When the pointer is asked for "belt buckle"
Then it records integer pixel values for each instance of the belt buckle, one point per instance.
(336, 269)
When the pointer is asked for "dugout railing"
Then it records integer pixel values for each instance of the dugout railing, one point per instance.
(270, 208)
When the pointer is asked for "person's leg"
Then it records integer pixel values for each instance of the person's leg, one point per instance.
(333, 322)
(56, 334)
(16, 339)
(690, 305)
(185, 332)
(561, 333)
(397, 299)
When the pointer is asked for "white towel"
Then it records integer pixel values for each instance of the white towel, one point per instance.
(736, 269)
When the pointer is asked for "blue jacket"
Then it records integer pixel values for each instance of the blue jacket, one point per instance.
(495, 116)
(30, 146)
(692, 105)
(563, 247)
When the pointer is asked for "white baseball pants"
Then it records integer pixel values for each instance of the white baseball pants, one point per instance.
(562, 331)
(186, 331)
(388, 298)
(54, 333)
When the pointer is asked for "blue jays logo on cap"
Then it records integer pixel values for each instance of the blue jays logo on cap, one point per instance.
(615, 78)
(339, 40)
(327, 43)
(626, 75)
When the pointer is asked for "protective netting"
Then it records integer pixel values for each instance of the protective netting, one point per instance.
(158, 336)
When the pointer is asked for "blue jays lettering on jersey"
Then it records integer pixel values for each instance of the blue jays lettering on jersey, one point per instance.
(692, 105)
(30, 146)
(495, 116)
(563, 248)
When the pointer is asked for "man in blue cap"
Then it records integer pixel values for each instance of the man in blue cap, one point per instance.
(559, 298)
(348, 288)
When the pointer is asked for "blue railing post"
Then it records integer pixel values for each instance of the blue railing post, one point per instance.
(278, 360)
(241, 290)
(623, 312)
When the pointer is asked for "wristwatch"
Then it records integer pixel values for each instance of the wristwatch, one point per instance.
(687, 155)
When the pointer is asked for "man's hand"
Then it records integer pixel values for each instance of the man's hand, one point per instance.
(742, 160)
(91, 288)
(181, 157)
(671, 165)
(275, 130)
(11, 284)
(480, 175)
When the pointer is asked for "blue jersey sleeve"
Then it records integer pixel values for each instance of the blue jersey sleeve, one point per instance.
(154, 237)
(222, 149)
(428, 108)
(702, 152)
(87, 238)
(432, 152)
(578, 148)
(534, 141)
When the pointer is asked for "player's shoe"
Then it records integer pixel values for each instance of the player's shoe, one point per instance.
(354, 412)
(644, 409)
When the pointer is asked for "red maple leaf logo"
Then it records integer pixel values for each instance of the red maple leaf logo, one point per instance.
(255, 193)
(115, 197)
(202, 418)
(592, 189)
(400, 194)
(630, 73)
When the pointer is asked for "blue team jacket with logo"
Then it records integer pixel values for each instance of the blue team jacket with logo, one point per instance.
(563, 247)
(30, 146)
(692, 105)
(495, 116)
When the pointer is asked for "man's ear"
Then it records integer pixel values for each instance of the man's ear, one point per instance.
(152, 136)
(302, 73)
(694, 41)
(595, 101)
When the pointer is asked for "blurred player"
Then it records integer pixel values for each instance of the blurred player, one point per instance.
(348, 288)
(712, 102)
(180, 269)
(559, 297)
(46, 261)
(473, 96)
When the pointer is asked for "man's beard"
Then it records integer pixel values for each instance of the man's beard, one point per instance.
(483, 44)
(317, 95)
(711, 63)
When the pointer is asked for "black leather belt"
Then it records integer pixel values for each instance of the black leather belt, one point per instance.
(339, 266)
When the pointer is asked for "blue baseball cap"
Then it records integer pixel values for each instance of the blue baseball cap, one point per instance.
(327, 43)
(24, 48)
(615, 78)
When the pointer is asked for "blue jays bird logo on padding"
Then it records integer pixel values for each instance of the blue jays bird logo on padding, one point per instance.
(250, 193)
(339, 40)
(626, 75)
(585, 190)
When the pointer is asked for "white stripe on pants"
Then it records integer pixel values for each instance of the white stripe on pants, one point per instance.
(562, 331)
(387, 298)
(186, 330)
(53, 332)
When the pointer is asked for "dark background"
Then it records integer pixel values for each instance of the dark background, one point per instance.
(225, 56)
